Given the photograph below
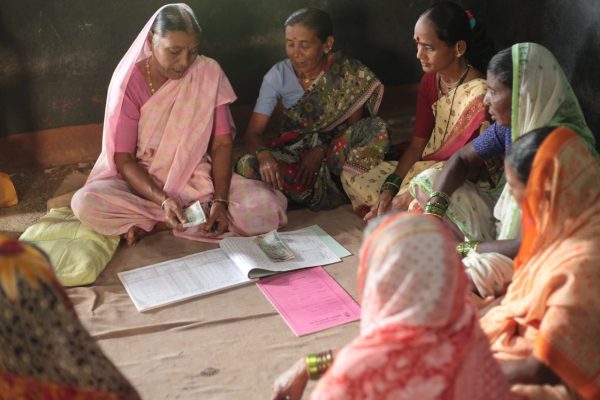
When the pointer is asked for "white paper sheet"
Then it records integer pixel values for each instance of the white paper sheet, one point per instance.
(175, 280)
(309, 249)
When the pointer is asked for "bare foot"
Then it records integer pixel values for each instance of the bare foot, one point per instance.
(134, 235)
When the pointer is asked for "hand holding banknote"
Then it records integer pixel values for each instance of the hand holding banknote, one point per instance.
(274, 247)
(194, 215)
(174, 216)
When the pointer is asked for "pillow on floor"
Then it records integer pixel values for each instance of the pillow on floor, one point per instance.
(78, 254)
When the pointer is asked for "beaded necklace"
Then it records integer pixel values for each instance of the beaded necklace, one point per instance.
(152, 90)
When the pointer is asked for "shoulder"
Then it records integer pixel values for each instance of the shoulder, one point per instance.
(279, 73)
(207, 64)
(475, 87)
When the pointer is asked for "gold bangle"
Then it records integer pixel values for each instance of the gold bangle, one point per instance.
(162, 205)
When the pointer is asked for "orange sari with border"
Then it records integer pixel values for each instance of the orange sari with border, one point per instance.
(551, 308)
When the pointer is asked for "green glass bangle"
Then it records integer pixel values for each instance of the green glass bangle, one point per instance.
(441, 195)
(464, 248)
(393, 178)
(392, 187)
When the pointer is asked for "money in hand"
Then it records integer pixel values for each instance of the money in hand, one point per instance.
(194, 215)
(274, 247)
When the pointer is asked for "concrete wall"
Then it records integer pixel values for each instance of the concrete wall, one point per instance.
(56, 57)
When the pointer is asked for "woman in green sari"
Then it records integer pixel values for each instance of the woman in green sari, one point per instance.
(329, 121)
(527, 89)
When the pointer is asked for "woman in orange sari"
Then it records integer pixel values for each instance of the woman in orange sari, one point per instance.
(545, 331)
(45, 352)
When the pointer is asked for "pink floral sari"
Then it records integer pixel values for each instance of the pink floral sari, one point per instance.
(419, 336)
(174, 133)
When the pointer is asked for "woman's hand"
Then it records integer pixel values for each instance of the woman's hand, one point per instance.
(310, 163)
(218, 220)
(382, 206)
(174, 217)
(291, 384)
(269, 169)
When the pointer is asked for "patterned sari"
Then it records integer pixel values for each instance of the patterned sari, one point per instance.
(541, 95)
(319, 118)
(459, 115)
(551, 308)
(419, 335)
(45, 352)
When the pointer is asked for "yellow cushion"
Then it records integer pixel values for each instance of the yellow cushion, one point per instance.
(78, 254)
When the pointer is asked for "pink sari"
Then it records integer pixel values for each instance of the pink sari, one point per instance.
(419, 336)
(173, 139)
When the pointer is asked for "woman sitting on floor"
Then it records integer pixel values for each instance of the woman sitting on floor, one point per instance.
(466, 191)
(45, 352)
(546, 328)
(419, 335)
(167, 143)
(324, 128)
(452, 49)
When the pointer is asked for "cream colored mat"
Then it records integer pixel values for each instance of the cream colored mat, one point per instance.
(229, 345)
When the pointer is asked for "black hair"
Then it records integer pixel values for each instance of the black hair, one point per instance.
(523, 150)
(173, 18)
(501, 65)
(314, 19)
(452, 24)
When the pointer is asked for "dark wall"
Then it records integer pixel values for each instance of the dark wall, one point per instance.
(56, 58)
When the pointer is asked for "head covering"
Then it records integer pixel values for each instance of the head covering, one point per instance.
(419, 337)
(190, 100)
(551, 308)
(541, 96)
(45, 352)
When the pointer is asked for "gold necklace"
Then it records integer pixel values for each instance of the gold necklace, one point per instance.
(152, 90)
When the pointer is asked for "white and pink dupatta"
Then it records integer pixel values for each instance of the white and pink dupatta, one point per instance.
(419, 336)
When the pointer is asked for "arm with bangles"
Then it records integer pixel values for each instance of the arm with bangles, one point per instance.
(221, 151)
(462, 165)
(269, 169)
(143, 184)
(291, 384)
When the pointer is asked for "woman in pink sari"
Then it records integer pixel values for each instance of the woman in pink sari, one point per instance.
(167, 143)
(419, 335)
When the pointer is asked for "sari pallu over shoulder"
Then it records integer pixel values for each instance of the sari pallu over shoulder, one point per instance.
(319, 118)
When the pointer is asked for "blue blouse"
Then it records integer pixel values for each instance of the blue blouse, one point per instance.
(494, 141)
(280, 83)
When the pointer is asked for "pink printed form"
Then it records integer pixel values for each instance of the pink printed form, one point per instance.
(310, 300)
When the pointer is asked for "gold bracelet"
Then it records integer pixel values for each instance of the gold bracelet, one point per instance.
(162, 205)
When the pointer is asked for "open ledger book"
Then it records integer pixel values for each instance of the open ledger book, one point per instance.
(238, 260)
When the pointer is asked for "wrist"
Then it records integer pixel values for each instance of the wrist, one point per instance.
(318, 364)
(260, 149)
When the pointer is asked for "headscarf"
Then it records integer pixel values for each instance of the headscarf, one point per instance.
(551, 308)
(541, 96)
(183, 109)
(419, 336)
(45, 352)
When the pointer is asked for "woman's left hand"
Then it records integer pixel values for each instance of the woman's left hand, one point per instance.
(218, 220)
(310, 163)
(291, 384)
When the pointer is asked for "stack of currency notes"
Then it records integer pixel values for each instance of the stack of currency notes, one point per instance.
(274, 247)
(194, 215)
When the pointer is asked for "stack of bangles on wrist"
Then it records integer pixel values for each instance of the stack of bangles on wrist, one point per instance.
(465, 247)
(437, 208)
(260, 149)
(391, 183)
(317, 364)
